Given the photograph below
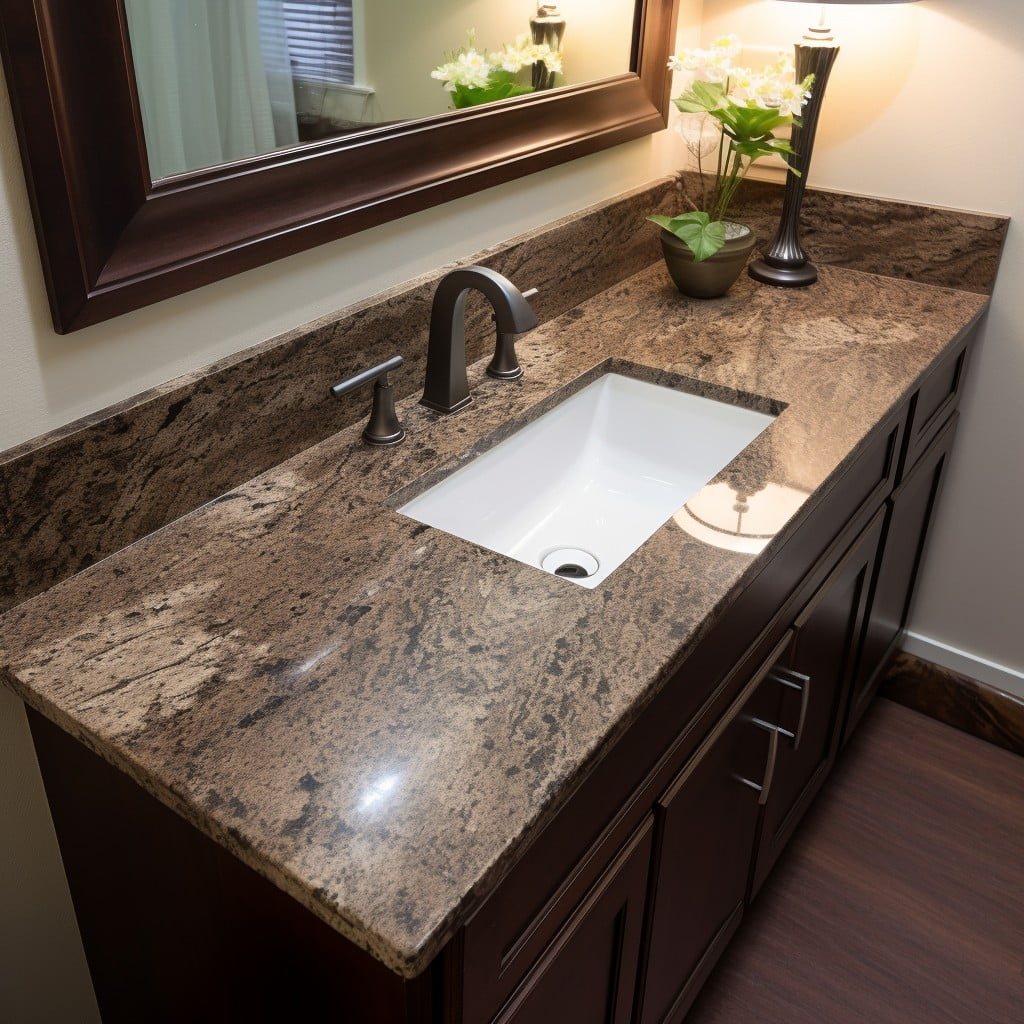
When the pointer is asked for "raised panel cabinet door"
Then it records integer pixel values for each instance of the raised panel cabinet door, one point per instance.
(912, 506)
(706, 823)
(588, 973)
(813, 689)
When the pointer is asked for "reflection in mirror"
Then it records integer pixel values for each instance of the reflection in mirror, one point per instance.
(221, 80)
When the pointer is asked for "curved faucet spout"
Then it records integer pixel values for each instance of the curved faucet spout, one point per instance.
(447, 387)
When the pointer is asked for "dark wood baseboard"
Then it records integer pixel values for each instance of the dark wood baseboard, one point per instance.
(966, 704)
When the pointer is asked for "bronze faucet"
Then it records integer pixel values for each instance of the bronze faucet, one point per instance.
(447, 387)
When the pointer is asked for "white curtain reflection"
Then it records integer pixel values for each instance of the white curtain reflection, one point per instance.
(214, 80)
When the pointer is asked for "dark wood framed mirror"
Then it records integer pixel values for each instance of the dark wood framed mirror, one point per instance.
(111, 240)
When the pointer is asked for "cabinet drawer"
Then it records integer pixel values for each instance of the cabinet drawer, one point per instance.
(599, 907)
(588, 972)
(870, 479)
(934, 401)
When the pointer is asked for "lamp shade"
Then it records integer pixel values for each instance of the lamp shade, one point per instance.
(857, 2)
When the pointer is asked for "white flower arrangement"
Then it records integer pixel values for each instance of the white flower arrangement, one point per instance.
(475, 76)
(745, 107)
(769, 88)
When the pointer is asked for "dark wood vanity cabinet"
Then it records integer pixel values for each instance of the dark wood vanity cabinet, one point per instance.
(932, 422)
(706, 826)
(588, 974)
(911, 510)
(728, 815)
(811, 690)
(730, 789)
(619, 908)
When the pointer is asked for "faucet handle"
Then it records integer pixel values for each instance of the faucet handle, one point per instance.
(505, 364)
(528, 294)
(383, 427)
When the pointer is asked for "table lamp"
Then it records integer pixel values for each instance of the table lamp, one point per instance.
(785, 262)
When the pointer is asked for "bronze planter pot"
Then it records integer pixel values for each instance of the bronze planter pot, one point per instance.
(711, 277)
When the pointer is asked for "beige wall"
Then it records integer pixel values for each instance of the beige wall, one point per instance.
(918, 107)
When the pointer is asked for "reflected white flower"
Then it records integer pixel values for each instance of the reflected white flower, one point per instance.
(472, 69)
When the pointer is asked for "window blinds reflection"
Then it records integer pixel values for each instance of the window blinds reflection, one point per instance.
(320, 39)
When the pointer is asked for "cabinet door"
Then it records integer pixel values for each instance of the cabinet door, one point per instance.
(588, 973)
(705, 836)
(912, 505)
(813, 691)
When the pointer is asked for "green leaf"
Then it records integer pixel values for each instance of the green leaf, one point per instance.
(662, 221)
(703, 98)
(702, 235)
(673, 224)
(501, 86)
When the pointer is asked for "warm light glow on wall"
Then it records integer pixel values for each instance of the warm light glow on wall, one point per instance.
(879, 46)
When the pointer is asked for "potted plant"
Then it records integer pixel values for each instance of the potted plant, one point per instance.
(730, 116)
(475, 76)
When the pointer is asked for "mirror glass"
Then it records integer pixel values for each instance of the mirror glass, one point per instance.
(222, 80)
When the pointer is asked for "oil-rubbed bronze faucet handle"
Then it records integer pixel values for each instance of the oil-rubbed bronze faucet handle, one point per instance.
(505, 364)
(383, 428)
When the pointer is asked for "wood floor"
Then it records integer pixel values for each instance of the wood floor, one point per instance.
(901, 899)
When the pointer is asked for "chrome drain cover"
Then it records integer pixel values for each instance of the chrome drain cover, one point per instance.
(572, 563)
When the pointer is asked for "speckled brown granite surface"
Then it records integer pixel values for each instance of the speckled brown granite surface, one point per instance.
(378, 716)
(88, 489)
(882, 236)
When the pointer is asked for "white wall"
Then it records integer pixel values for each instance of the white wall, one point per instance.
(47, 380)
(920, 107)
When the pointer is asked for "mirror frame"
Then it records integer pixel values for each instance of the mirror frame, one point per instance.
(112, 241)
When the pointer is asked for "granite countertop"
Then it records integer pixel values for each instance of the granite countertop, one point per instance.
(378, 716)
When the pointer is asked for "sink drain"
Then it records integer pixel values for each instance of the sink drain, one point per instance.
(572, 563)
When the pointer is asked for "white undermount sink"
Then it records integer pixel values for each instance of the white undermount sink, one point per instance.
(579, 489)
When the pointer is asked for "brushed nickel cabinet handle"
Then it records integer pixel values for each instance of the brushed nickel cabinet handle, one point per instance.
(794, 680)
(764, 787)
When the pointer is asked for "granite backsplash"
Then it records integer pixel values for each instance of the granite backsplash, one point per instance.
(86, 490)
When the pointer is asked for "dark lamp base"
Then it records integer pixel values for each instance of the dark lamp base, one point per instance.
(783, 277)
